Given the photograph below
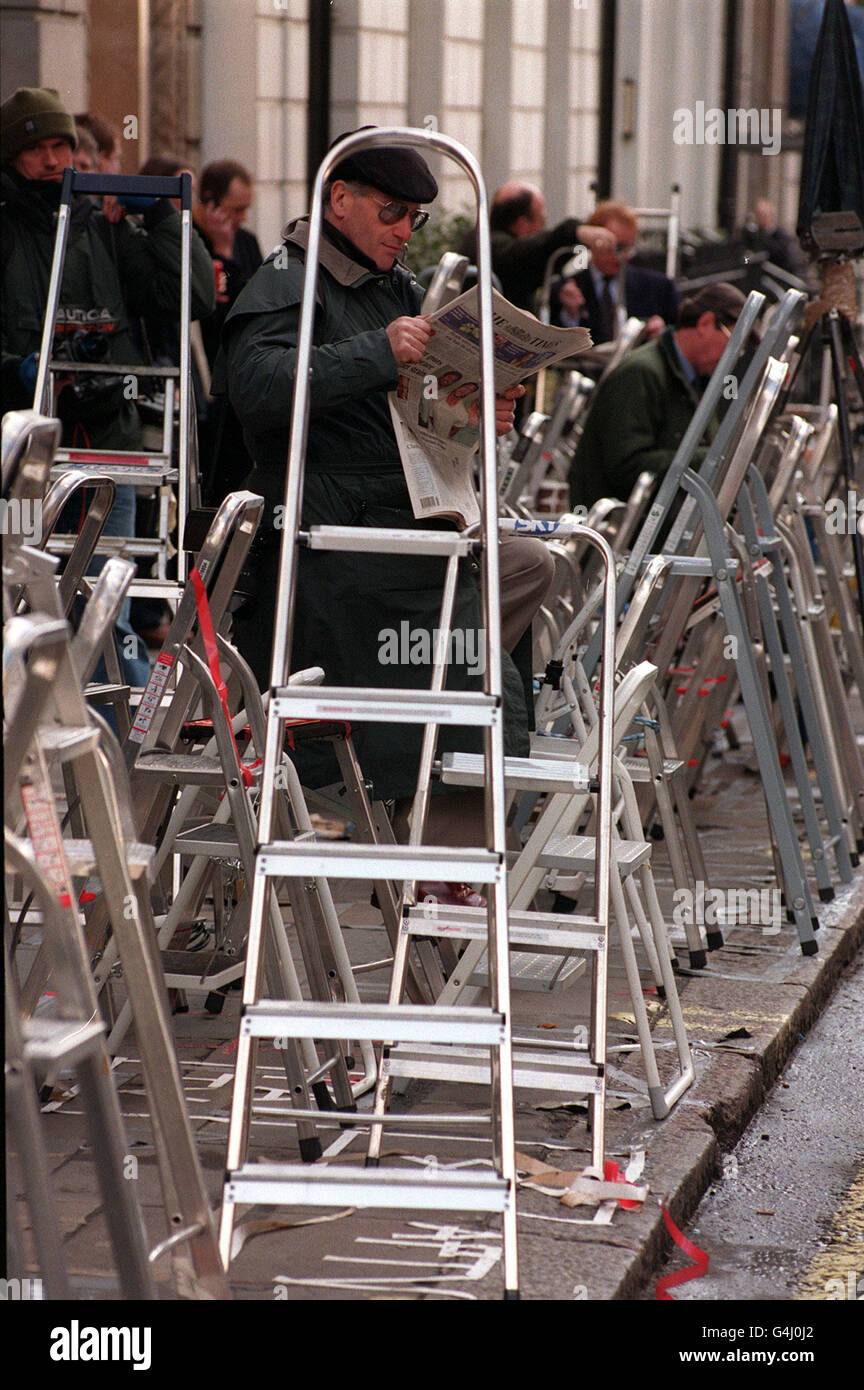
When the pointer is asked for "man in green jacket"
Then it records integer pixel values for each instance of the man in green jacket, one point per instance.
(113, 274)
(368, 323)
(641, 411)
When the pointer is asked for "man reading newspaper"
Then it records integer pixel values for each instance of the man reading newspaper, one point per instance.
(368, 332)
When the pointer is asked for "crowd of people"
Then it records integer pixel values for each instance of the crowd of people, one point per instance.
(120, 297)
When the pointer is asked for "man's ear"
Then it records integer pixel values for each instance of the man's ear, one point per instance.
(338, 194)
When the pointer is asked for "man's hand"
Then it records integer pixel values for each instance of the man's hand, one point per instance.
(572, 298)
(408, 338)
(505, 408)
(596, 238)
(654, 327)
(219, 229)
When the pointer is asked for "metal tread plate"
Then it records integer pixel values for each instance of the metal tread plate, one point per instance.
(577, 854)
(525, 774)
(542, 931)
(388, 1022)
(51, 1041)
(384, 541)
(377, 703)
(429, 1188)
(335, 859)
(570, 1072)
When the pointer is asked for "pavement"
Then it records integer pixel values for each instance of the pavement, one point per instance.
(744, 1014)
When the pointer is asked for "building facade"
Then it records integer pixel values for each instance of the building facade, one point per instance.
(568, 94)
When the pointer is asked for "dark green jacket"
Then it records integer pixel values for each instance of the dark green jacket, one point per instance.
(352, 362)
(637, 420)
(347, 604)
(113, 275)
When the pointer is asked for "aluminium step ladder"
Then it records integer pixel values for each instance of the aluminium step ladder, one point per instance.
(158, 469)
(76, 739)
(387, 1186)
(74, 1037)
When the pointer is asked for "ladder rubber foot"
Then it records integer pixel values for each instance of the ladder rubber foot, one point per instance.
(371, 1162)
(698, 960)
(511, 1296)
(656, 832)
(661, 991)
(714, 939)
(826, 895)
(352, 1109)
(214, 1003)
(815, 923)
(310, 1149)
(809, 948)
(853, 860)
(322, 1095)
(859, 845)
(790, 917)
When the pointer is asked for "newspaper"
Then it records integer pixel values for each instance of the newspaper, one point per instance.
(436, 405)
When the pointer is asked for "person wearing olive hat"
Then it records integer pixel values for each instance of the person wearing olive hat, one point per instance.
(368, 325)
(112, 275)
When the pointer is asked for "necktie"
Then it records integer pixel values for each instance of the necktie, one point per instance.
(606, 315)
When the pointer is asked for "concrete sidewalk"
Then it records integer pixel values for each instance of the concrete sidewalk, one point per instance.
(744, 1013)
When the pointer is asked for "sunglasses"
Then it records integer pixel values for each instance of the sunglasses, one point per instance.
(391, 213)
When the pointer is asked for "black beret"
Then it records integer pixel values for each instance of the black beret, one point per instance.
(394, 169)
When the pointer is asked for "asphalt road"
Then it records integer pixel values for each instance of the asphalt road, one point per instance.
(786, 1220)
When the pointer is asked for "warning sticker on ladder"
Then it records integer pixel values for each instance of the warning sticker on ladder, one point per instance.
(41, 816)
(152, 697)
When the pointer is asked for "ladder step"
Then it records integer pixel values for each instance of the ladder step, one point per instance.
(277, 1184)
(81, 858)
(200, 969)
(49, 1042)
(111, 545)
(68, 743)
(570, 1072)
(541, 931)
(180, 768)
(378, 1022)
(640, 771)
(524, 774)
(577, 854)
(387, 706)
(335, 859)
(540, 974)
(382, 541)
(218, 840)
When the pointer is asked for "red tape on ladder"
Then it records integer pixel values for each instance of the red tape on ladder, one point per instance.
(682, 1276)
(208, 636)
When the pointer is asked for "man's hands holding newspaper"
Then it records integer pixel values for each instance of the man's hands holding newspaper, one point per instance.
(408, 338)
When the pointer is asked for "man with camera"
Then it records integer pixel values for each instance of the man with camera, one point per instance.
(113, 273)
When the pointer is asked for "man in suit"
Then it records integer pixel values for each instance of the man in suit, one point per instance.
(591, 298)
(522, 243)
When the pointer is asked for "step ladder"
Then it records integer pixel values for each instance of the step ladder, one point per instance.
(75, 739)
(377, 1185)
(38, 1046)
(157, 470)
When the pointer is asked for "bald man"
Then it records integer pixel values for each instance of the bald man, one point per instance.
(522, 244)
